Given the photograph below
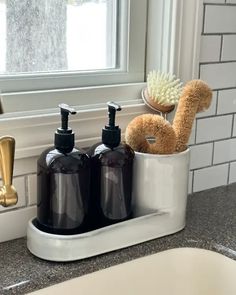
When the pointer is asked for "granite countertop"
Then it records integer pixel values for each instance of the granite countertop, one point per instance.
(211, 224)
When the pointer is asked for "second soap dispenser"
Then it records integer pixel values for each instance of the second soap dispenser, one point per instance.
(63, 183)
(112, 170)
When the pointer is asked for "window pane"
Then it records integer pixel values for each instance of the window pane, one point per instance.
(57, 35)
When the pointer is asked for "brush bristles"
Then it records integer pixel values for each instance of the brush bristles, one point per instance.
(163, 88)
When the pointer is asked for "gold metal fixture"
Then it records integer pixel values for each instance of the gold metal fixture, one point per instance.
(8, 194)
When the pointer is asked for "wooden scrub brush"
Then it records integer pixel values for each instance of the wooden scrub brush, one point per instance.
(162, 92)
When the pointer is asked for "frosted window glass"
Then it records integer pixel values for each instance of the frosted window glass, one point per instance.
(57, 35)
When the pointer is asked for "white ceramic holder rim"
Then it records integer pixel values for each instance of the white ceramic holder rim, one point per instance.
(174, 155)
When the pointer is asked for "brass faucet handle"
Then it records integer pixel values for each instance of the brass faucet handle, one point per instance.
(8, 194)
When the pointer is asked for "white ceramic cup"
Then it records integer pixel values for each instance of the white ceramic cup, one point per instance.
(160, 182)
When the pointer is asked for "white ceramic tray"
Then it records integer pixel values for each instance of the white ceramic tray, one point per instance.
(159, 206)
(74, 247)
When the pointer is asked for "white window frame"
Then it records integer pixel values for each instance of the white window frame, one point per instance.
(173, 41)
(130, 50)
(174, 37)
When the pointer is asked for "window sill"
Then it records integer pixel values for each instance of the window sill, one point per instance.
(34, 130)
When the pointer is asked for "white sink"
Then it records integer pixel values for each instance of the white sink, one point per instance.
(182, 271)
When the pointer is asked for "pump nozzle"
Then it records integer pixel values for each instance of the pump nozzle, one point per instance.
(112, 108)
(64, 137)
(65, 111)
(111, 133)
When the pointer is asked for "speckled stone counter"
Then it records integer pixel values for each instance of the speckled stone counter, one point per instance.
(211, 224)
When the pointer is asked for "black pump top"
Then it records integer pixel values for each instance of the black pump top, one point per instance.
(111, 133)
(64, 137)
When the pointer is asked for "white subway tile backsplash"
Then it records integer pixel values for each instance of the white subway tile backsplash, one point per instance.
(210, 48)
(232, 172)
(201, 155)
(214, 128)
(225, 151)
(219, 75)
(212, 109)
(226, 101)
(228, 48)
(25, 166)
(32, 189)
(16, 222)
(210, 177)
(220, 19)
(19, 183)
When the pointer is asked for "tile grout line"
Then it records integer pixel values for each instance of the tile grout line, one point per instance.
(220, 4)
(204, 17)
(232, 127)
(217, 103)
(216, 116)
(221, 62)
(218, 33)
(213, 151)
(211, 141)
(199, 71)
(214, 165)
(25, 174)
(221, 48)
(224, 89)
(233, 161)
(16, 209)
(195, 135)
(26, 190)
(227, 88)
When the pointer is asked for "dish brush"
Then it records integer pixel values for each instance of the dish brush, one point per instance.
(162, 92)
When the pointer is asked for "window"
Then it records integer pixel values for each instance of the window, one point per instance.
(55, 44)
(57, 35)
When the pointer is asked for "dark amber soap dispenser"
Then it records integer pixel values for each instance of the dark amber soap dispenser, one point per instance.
(63, 183)
(112, 170)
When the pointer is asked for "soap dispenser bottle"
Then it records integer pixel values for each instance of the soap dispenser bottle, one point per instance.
(63, 183)
(112, 165)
